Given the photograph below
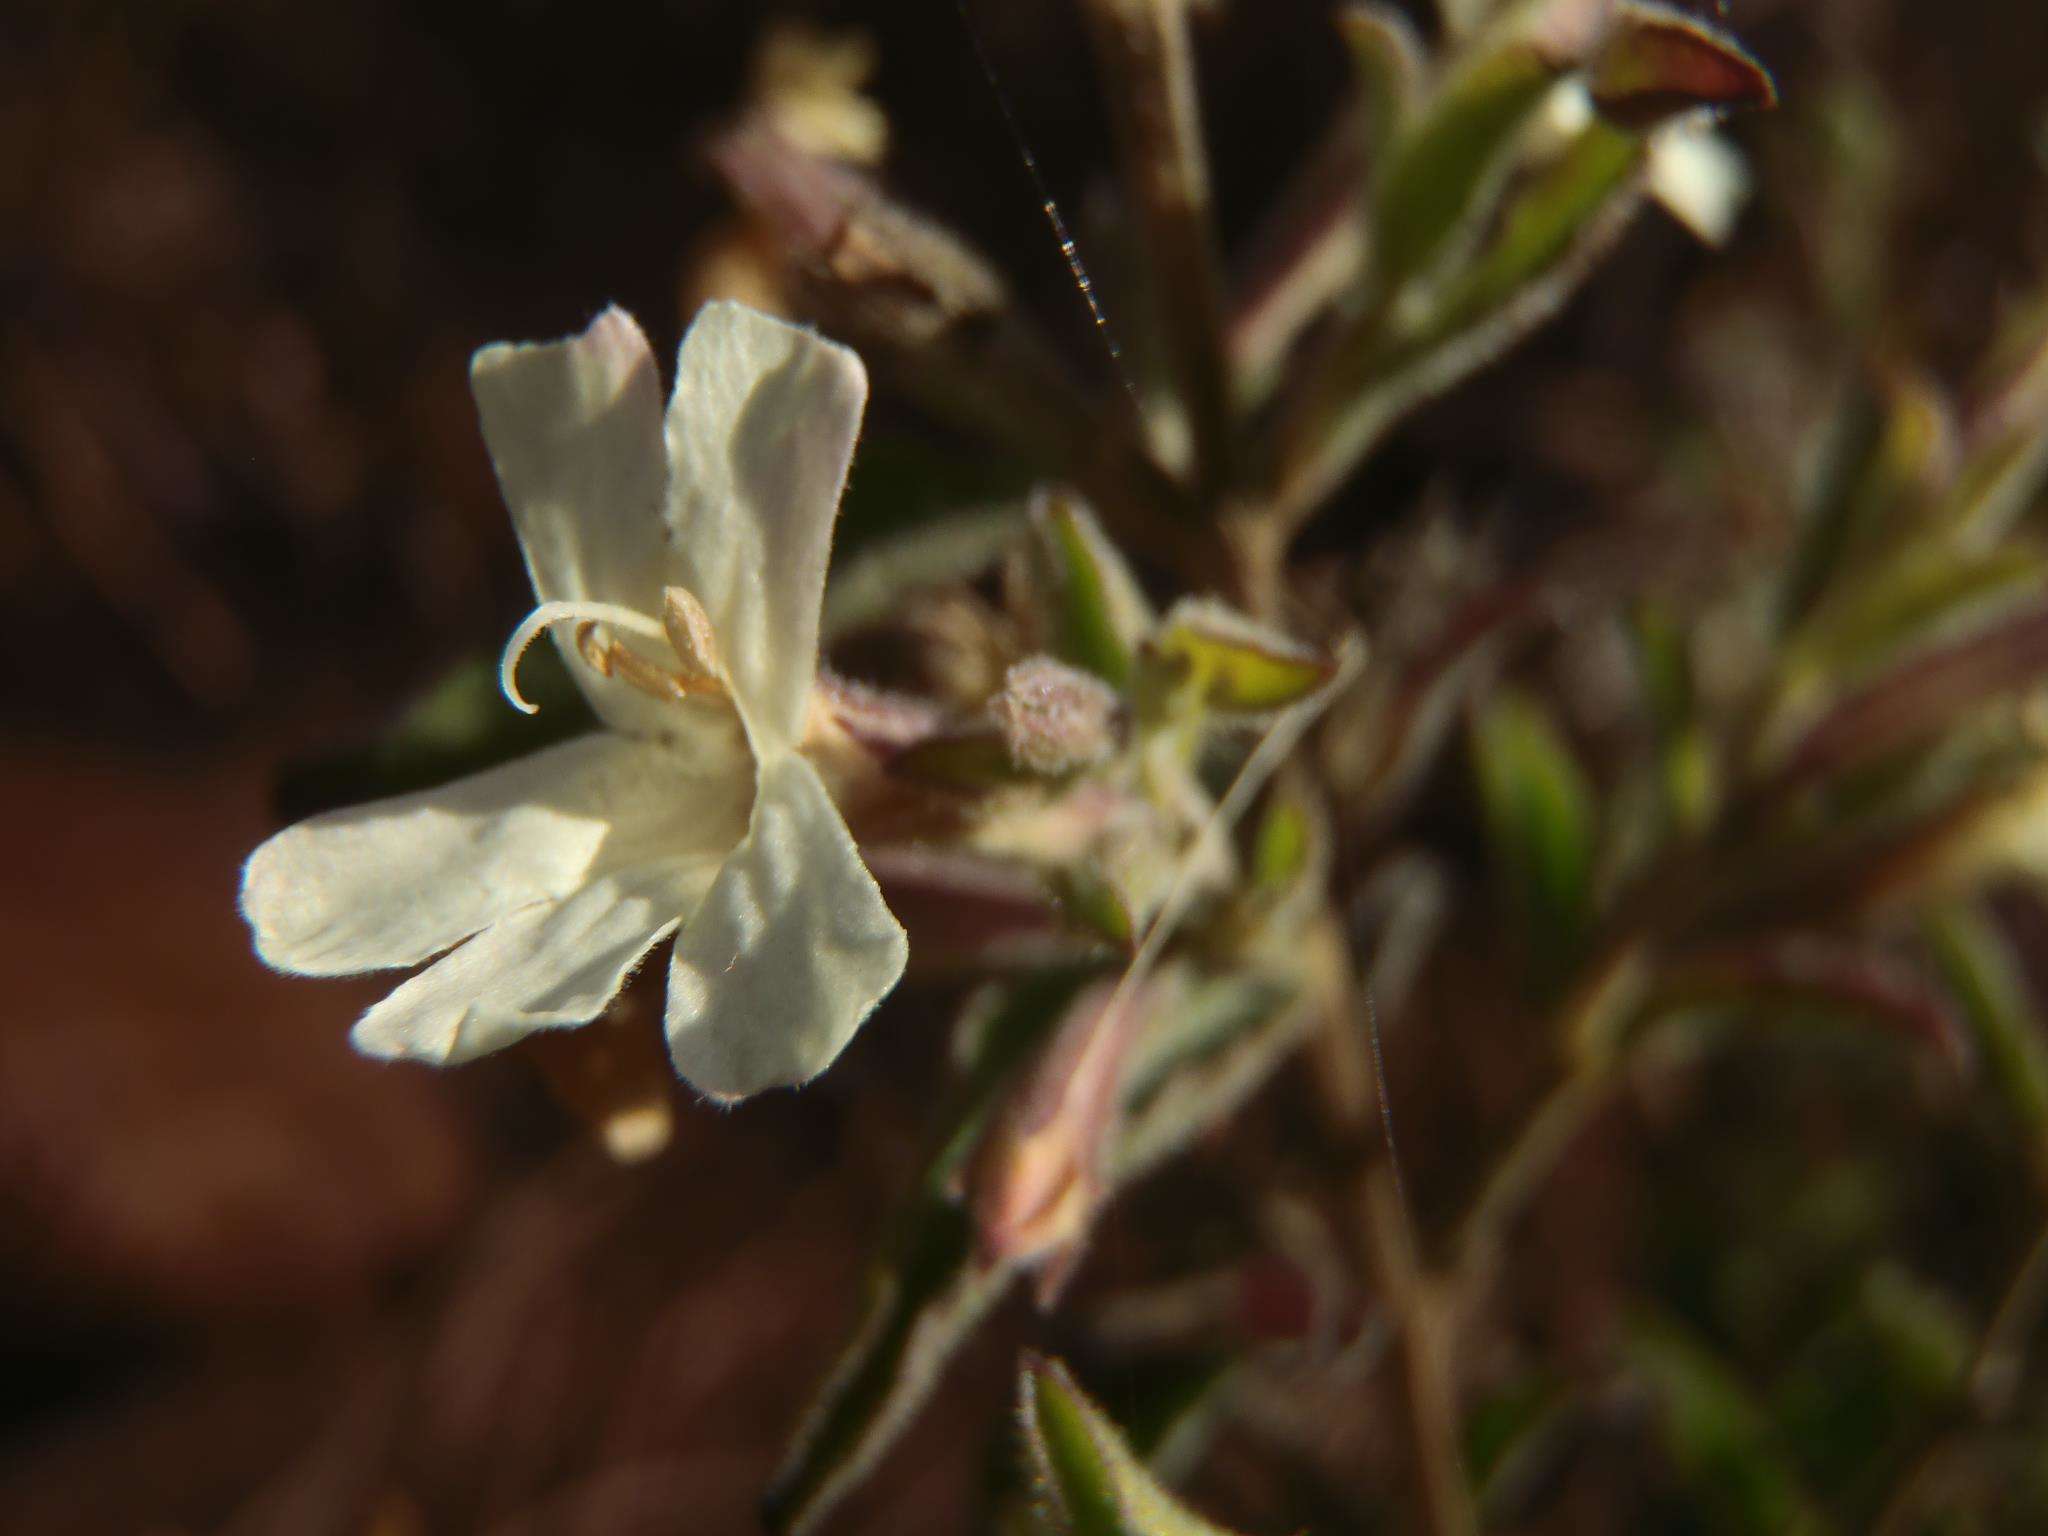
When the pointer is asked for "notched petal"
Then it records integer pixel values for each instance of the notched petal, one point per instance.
(574, 432)
(393, 882)
(545, 966)
(760, 434)
(790, 951)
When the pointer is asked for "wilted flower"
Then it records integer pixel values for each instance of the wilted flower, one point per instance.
(681, 566)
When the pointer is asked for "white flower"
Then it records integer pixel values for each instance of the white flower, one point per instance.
(1689, 168)
(1700, 178)
(681, 565)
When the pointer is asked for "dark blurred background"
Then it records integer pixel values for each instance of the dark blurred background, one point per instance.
(249, 1282)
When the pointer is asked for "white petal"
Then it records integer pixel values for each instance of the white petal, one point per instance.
(791, 949)
(557, 963)
(760, 432)
(1700, 178)
(394, 882)
(574, 431)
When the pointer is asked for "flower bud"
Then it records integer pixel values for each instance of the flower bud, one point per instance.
(1055, 719)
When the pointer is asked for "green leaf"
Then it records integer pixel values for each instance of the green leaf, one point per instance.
(1516, 1438)
(1093, 901)
(926, 1293)
(2003, 474)
(1830, 506)
(1554, 232)
(1090, 1484)
(1922, 696)
(1543, 227)
(1169, 1405)
(1389, 64)
(1097, 616)
(1878, 1374)
(1927, 590)
(916, 1312)
(1890, 446)
(1722, 1443)
(1213, 1016)
(1926, 1340)
(1284, 846)
(1233, 664)
(1977, 961)
(1687, 772)
(1656, 62)
(1539, 813)
(1444, 172)
(1803, 980)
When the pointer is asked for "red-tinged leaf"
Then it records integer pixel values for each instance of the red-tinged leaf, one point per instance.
(1811, 976)
(1917, 698)
(1657, 62)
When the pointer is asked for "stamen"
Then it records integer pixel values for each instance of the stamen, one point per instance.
(549, 614)
(631, 667)
(689, 630)
(595, 652)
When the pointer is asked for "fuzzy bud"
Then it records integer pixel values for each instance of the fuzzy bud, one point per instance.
(1054, 718)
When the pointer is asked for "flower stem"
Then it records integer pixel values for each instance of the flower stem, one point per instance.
(1423, 1319)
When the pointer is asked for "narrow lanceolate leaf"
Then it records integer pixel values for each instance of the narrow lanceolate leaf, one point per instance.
(1389, 65)
(1721, 1442)
(2007, 460)
(1213, 1051)
(1934, 590)
(1095, 613)
(1657, 61)
(1089, 1482)
(920, 1306)
(1913, 700)
(1977, 961)
(1542, 227)
(930, 1288)
(1924, 1337)
(1444, 172)
(1541, 249)
(1540, 821)
(1231, 663)
(1687, 770)
(1291, 841)
(1795, 980)
(927, 1291)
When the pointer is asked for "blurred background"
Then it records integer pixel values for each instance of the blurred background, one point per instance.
(251, 1283)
